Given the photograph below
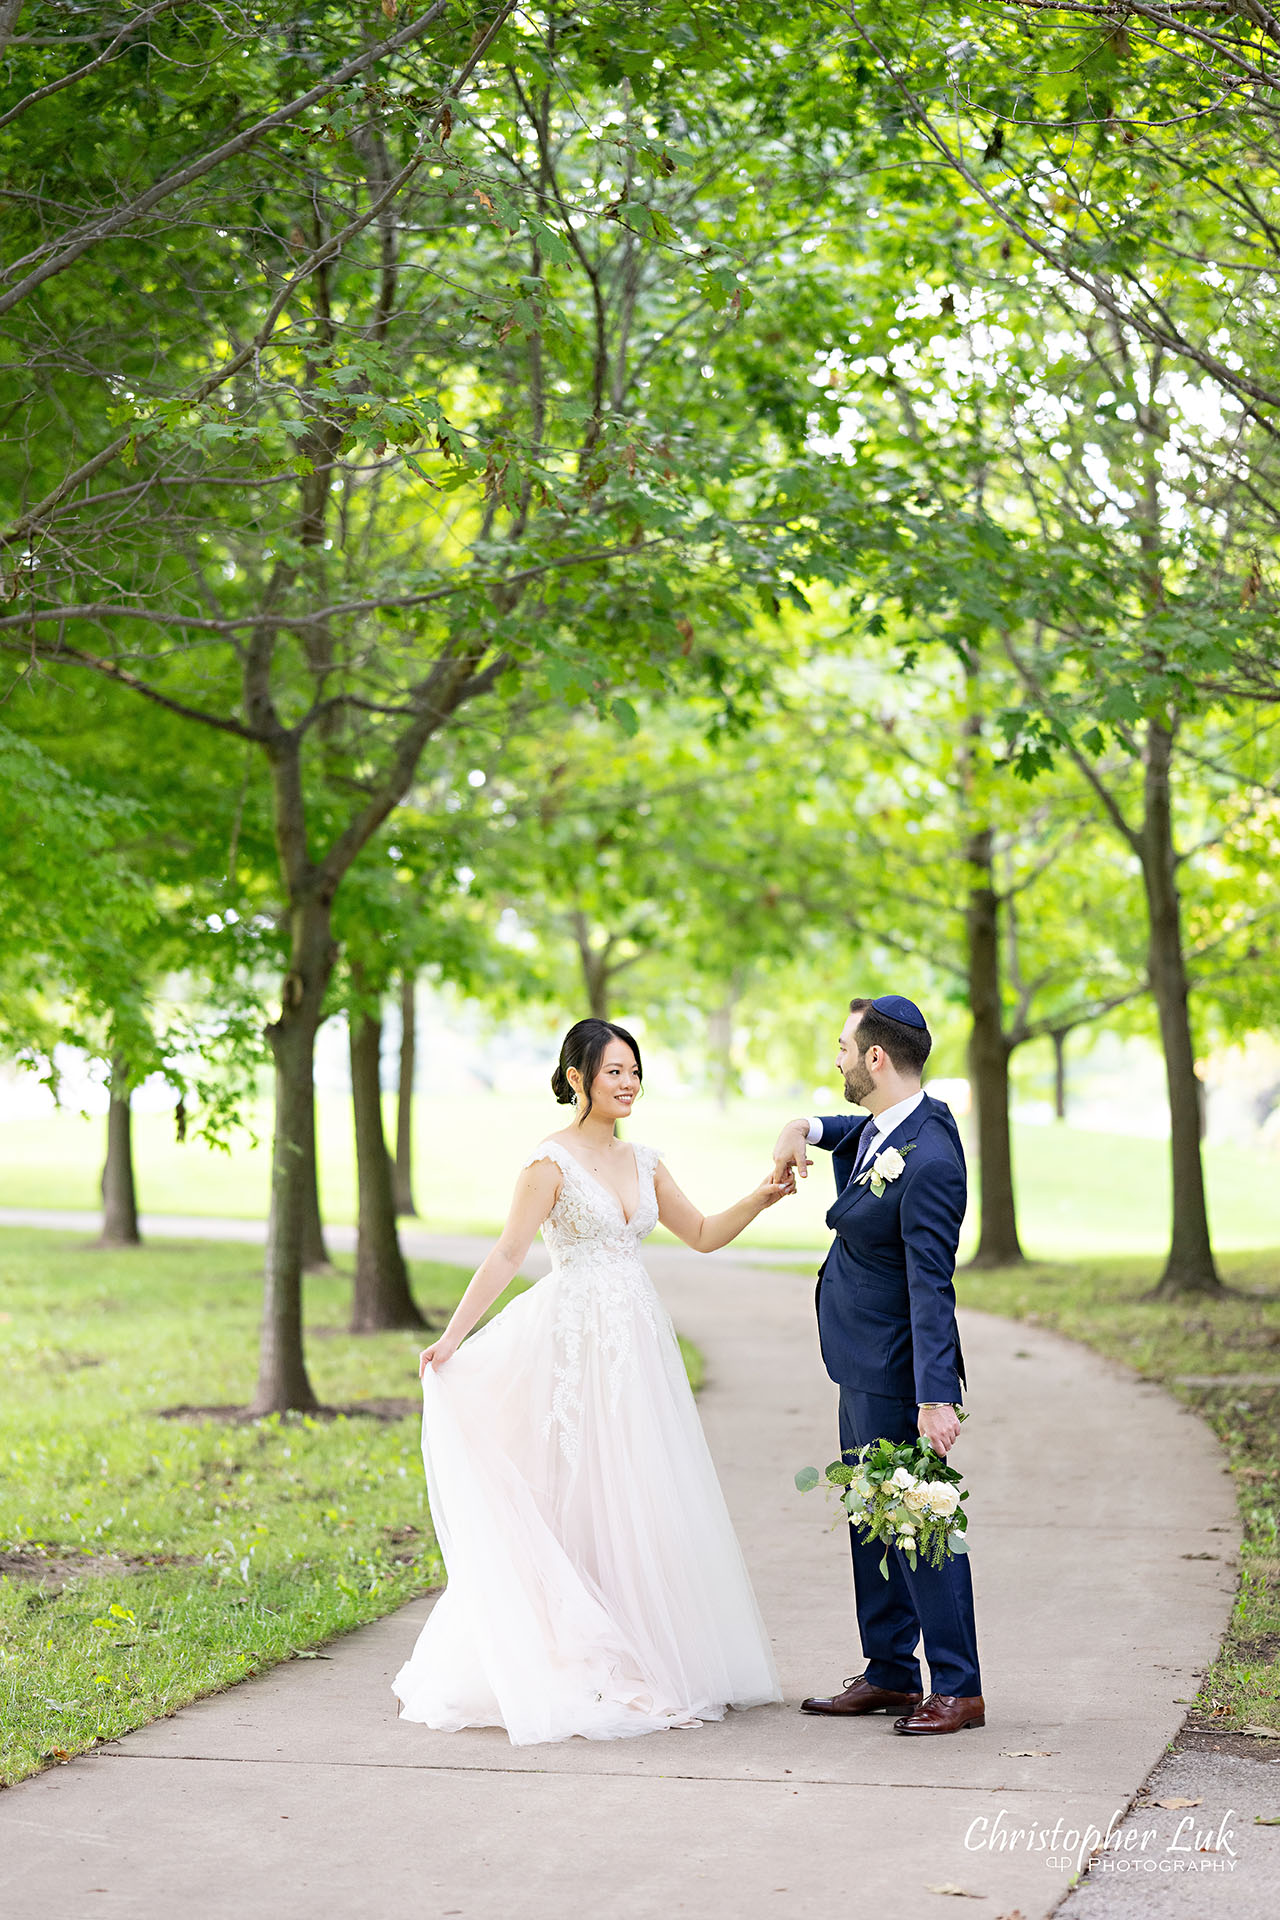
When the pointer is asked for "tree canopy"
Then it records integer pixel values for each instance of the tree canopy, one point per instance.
(715, 488)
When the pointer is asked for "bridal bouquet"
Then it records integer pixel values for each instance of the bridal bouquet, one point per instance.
(904, 1495)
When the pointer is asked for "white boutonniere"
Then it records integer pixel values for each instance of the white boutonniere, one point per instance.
(885, 1167)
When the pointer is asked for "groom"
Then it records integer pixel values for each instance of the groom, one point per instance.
(887, 1328)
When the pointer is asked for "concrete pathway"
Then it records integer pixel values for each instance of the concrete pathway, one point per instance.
(1094, 1499)
(1201, 1841)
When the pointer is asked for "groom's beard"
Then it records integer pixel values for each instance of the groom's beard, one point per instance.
(857, 1085)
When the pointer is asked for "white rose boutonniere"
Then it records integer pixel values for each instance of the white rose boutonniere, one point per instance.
(885, 1167)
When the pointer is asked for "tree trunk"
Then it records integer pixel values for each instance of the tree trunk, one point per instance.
(404, 1093)
(382, 1298)
(282, 1373)
(1059, 1074)
(119, 1195)
(595, 968)
(595, 978)
(720, 1041)
(315, 1255)
(998, 1244)
(720, 1047)
(1190, 1267)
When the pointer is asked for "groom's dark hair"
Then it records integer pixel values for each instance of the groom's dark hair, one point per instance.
(907, 1047)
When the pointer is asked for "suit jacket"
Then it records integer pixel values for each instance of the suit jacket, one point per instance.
(886, 1296)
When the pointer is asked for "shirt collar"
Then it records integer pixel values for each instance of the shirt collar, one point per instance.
(890, 1117)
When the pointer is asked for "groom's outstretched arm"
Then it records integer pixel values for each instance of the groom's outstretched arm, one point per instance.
(791, 1154)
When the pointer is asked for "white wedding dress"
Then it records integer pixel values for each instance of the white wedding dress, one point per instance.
(596, 1585)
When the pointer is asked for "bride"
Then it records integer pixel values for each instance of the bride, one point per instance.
(596, 1585)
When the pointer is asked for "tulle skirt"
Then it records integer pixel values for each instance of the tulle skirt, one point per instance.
(596, 1585)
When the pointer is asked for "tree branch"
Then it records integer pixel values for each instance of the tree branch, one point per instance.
(109, 610)
(449, 685)
(14, 7)
(261, 339)
(1082, 1015)
(73, 248)
(1165, 334)
(76, 657)
(1080, 760)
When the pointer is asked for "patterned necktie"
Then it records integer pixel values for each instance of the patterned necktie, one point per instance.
(866, 1147)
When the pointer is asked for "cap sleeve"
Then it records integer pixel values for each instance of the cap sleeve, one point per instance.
(549, 1150)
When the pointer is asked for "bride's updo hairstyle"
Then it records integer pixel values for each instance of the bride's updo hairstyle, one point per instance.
(583, 1048)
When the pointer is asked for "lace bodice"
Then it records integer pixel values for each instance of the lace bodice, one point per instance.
(587, 1218)
(603, 1294)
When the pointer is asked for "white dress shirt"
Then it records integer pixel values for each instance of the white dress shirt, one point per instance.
(882, 1124)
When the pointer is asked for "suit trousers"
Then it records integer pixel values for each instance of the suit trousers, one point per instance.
(933, 1603)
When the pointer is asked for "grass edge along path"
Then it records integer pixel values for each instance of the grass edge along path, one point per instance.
(1101, 1303)
(147, 1561)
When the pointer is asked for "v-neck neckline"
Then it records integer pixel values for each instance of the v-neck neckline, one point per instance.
(604, 1187)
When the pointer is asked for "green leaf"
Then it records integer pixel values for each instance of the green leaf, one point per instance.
(807, 1479)
(414, 465)
(552, 244)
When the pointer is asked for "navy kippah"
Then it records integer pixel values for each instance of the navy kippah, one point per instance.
(894, 1007)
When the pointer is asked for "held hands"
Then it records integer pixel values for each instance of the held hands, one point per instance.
(774, 1187)
(791, 1154)
(940, 1427)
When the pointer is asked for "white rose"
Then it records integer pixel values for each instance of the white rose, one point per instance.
(889, 1164)
(943, 1499)
(902, 1477)
(906, 1532)
(917, 1498)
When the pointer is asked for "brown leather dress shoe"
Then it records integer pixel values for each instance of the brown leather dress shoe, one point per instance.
(860, 1696)
(944, 1713)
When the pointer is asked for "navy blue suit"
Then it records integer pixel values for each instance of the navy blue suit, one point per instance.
(887, 1325)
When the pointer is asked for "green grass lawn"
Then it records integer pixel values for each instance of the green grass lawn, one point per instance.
(144, 1560)
(1080, 1193)
(1101, 1303)
(181, 1555)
